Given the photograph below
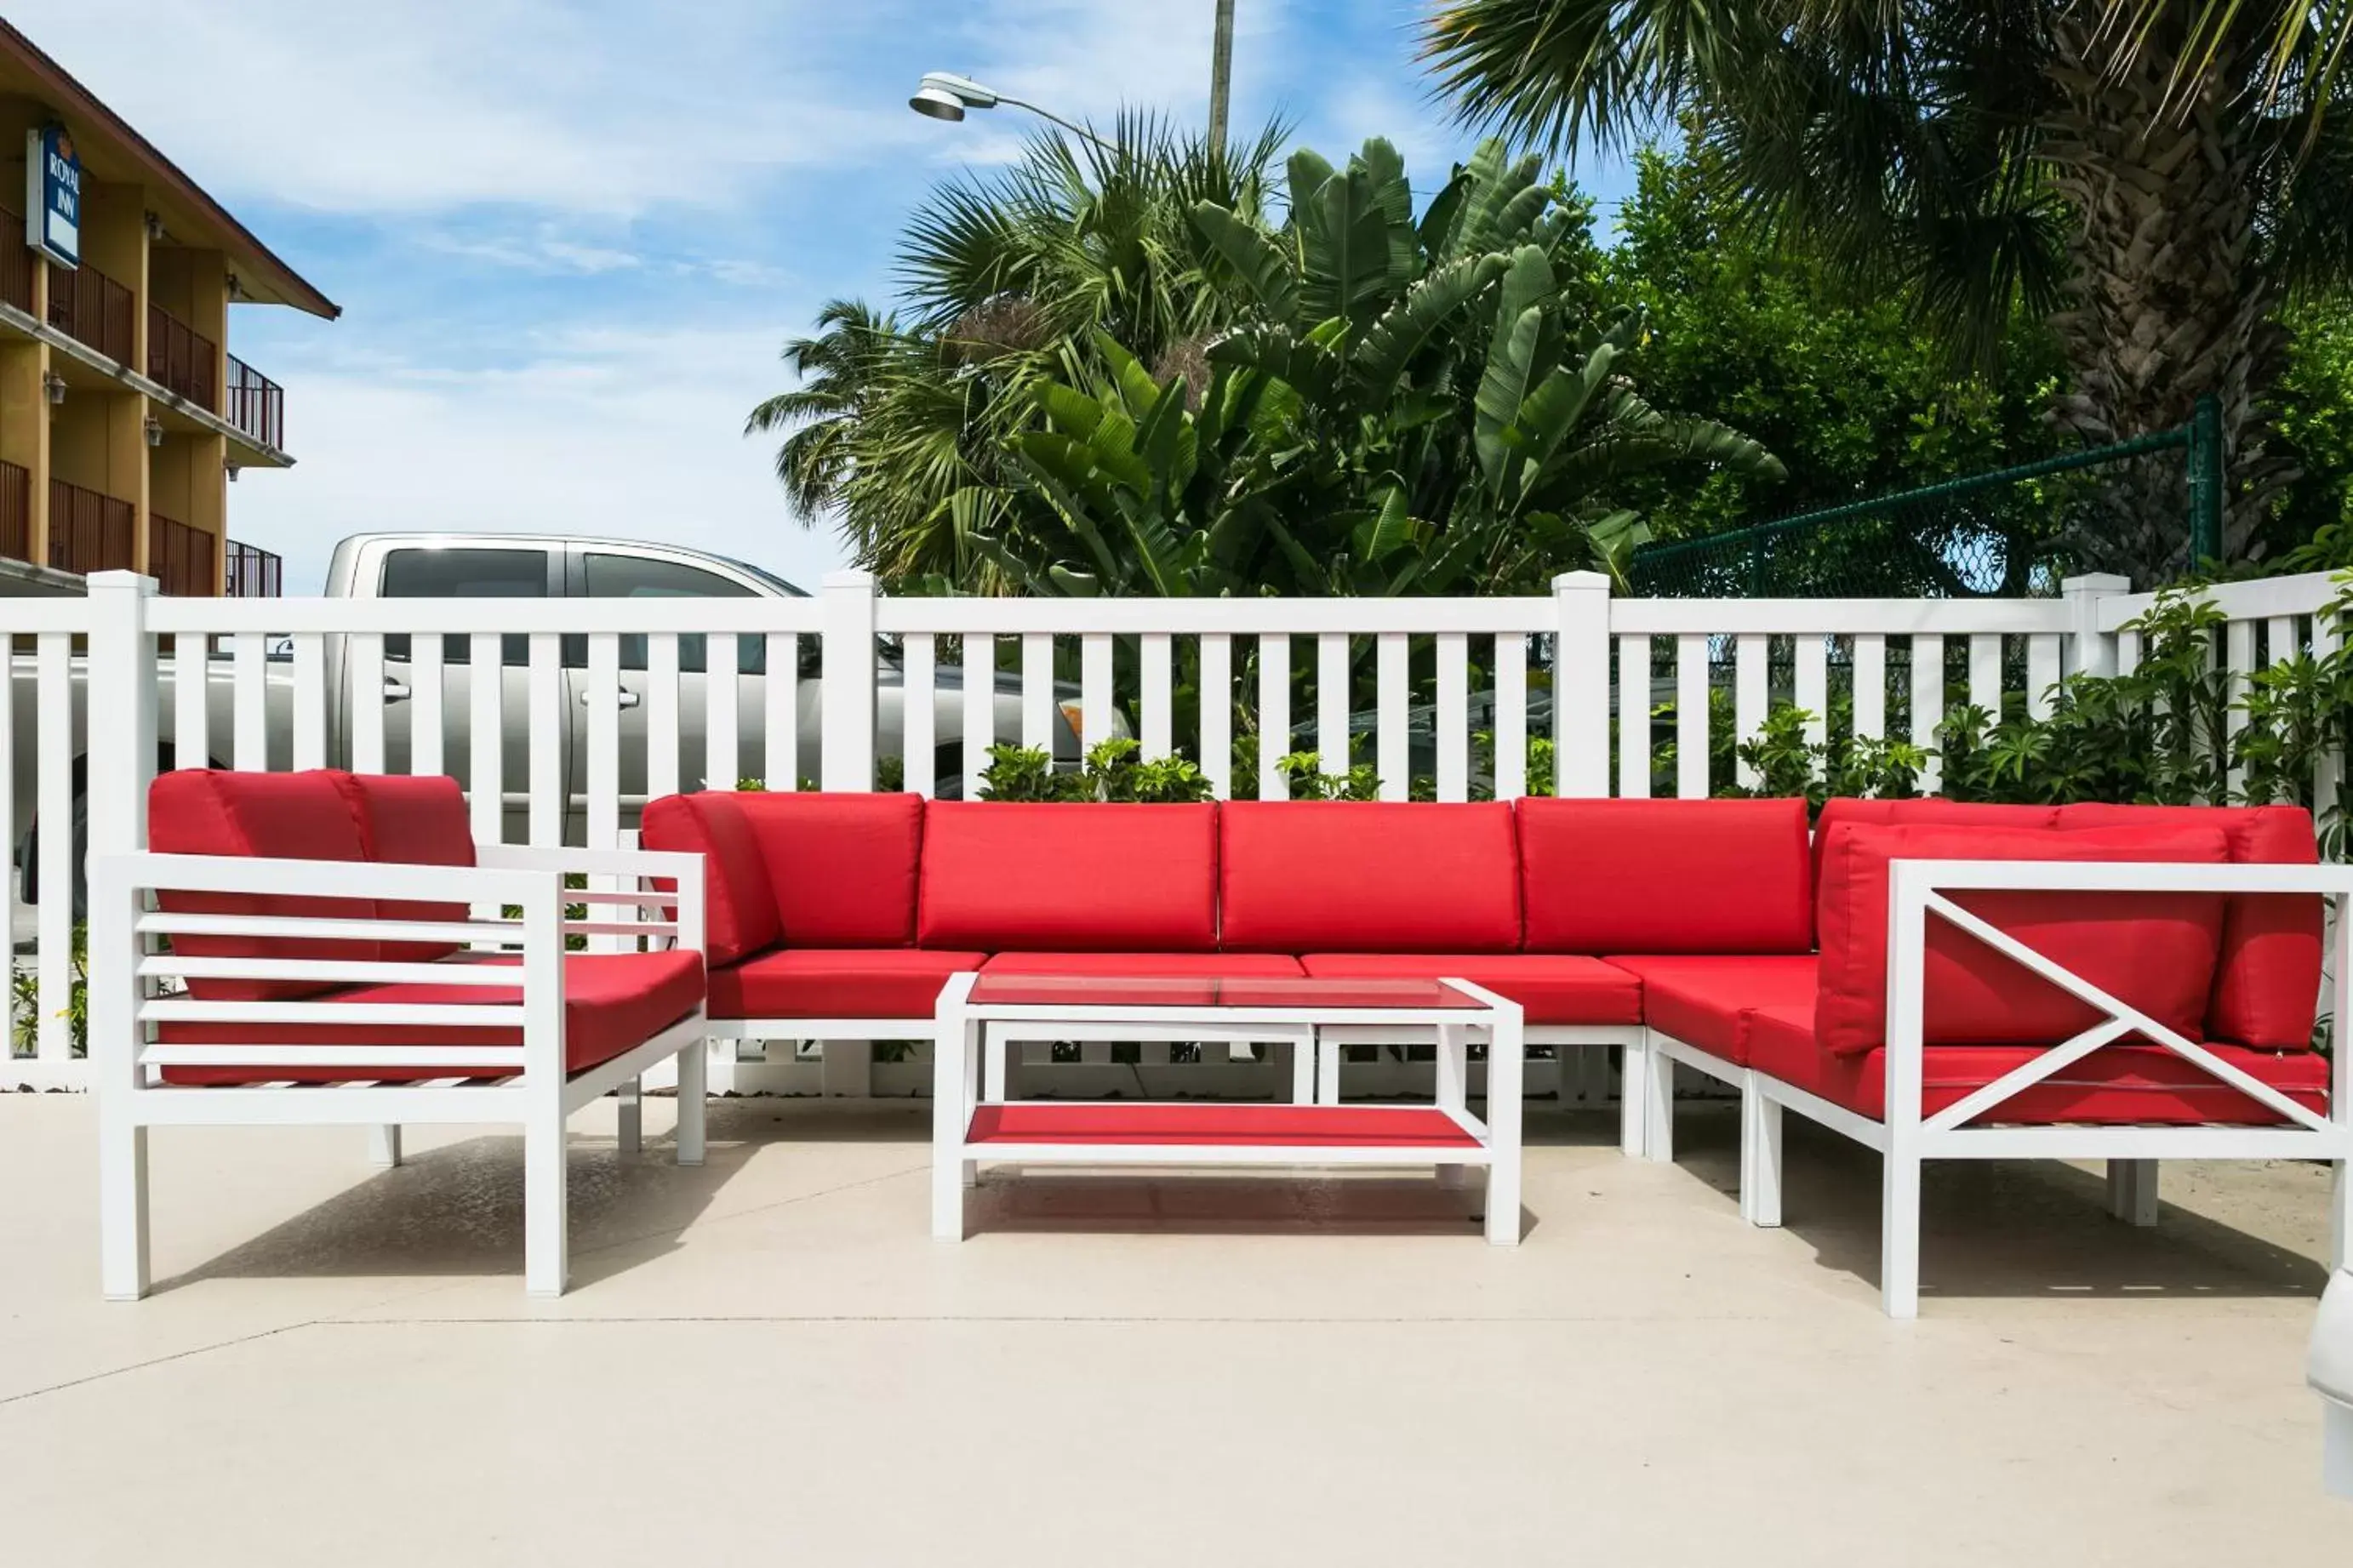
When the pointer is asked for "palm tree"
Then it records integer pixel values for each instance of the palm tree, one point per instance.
(2154, 191)
(897, 427)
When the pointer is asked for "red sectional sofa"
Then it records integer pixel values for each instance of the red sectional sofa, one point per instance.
(1722, 935)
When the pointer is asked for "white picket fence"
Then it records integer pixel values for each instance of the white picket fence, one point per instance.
(597, 702)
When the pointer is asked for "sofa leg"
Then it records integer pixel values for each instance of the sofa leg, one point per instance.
(1899, 1235)
(546, 1244)
(1302, 1068)
(384, 1144)
(847, 1071)
(2132, 1190)
(1659, 1106)
(1633, 1112)
(694, 1101)
(2337, 1448)
(1760, 1157)
(632, 1119)
(1327, 1072)
(122, 1208)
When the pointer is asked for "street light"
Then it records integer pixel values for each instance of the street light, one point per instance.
(944, 95)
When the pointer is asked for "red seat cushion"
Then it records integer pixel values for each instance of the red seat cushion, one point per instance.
(2118, 1086)
(1148, 965)
(1069, 878)
(1368, 876)
(1665, 876)
(739, 905)
(2268, 979)
(411, 820)
(1706, 1002)
(613, 1003)
(1550, 987)
(291, 817)
(2154, 950)
(837, 983)
(842, 866)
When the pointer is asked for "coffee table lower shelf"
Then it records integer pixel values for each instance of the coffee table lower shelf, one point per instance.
(1037, 1133)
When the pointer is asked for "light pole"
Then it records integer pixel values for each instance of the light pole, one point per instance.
(944, 95)
(1221, 73)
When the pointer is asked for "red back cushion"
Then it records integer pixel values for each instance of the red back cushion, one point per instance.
(286, 816)
(1666, 876)
(739, 904)
(410, 821)
(842, 866)
(2267, 981)
(1305, 876)
(2154, 950)
(1080, 877)
(1928, 811)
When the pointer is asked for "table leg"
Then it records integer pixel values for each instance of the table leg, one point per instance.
(1507, 1065)
(1453, 1072)
(949, 1117)
(1302, 1068)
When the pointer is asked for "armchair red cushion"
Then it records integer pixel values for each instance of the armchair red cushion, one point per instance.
(738, 902)
(2153, 951)
(411, 820)
(1069, 878)
(1368, 876)
(1665, 876)
(291, 816)
(842, 865)
(882, 982)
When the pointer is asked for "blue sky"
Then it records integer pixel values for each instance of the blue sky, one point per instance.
(569, 239)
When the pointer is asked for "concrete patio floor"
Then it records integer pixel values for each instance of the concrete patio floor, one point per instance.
(769, 1355)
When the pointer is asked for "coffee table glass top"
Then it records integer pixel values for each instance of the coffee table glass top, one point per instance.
(1335, 995)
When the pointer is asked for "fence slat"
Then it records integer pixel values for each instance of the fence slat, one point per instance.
(1690, 716)
(2042, 673)
(1511, 716)
(1332, 702)
(2238, 660)
(1094, 688)
(191, 683)
(486, 748)
(8, 883)
(780, 725)
(1273, 714)
(1453, 719)
(53, 735)
(1038, 691)
(545, 725)
(1634, 718)
(1812, 692)
(1156, 669)
(365, 653)
(980, 707)
(1927, 701)
(604, 719)
(2327, 635)
(2279, 639)
(250, 655)
(1985, 673)
(1390, 649)
(723, 716)
(1871, 686)
(2128, 652)
(918, 709)
(661, 716)
(1751, 696)
(429, 716)
(1218, 713)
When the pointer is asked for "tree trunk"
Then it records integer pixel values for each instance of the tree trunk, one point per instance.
(2170, 303)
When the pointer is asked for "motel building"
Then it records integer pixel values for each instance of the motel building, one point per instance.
(124, 414)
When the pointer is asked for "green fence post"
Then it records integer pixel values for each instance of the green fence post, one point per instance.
(2206, 481)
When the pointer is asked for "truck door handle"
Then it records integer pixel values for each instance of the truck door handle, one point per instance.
(628, 698)
(396, 690)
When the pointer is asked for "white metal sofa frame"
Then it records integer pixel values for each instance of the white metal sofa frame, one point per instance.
(535, 1092)
(1916, 889)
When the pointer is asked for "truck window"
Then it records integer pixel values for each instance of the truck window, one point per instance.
(465, 575)
(646, 577)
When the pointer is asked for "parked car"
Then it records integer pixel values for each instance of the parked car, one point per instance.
(520, 566)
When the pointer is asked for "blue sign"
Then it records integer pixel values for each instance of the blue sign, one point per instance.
(53, 195)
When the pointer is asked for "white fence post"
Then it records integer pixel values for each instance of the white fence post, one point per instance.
(848, 736)
(1580, 684)
(120, 698)
(2091, 651)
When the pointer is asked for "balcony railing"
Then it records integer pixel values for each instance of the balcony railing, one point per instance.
(89, 531)
(181, 358)
(253, 573)
(255, 405)
(16, 261)
(87, 305)
(16, 510)
(181, 558)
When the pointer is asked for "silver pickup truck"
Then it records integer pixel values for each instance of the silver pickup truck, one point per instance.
(522, 566)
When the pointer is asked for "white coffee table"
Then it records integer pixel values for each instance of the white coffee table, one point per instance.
(969, 1129)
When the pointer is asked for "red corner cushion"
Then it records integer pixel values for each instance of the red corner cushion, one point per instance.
(290, 816)
(842, 866)
(1927, 811)
(836, 982)
(1665, 876)
(1551, 988)
(1709, 1002)
(2118, 1086)
(1368, 876)
(2267, 980)
(1149, 965)
(739, 905)
(2154, 950)
(613, 1003)
(411, 820)
(1073, 878)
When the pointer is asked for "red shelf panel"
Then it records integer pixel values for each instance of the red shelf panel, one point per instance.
(1274, 1126)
